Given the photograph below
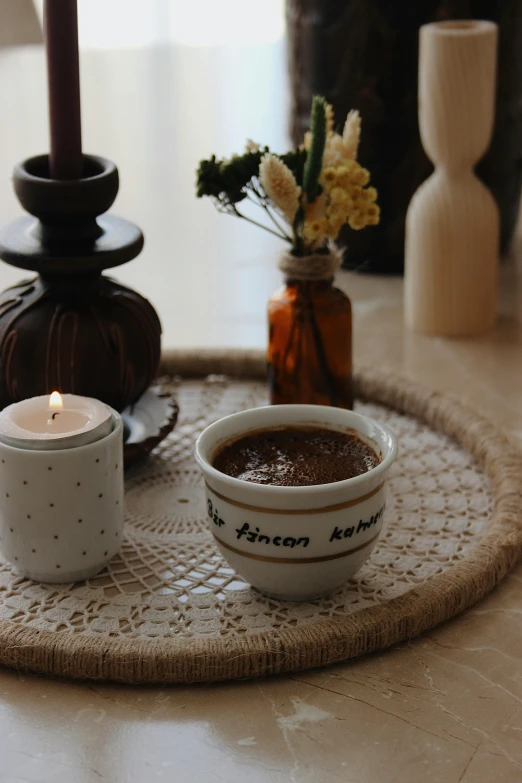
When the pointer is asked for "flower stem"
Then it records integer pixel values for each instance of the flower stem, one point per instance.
(319, 347)
(298, 243)
(260, 225)
(261, 203)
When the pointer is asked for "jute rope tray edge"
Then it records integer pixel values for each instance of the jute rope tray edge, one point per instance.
(330, 640)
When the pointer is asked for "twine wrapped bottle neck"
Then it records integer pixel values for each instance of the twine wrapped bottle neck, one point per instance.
(315, 266)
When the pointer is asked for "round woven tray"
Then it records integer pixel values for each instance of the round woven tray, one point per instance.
(169, 609)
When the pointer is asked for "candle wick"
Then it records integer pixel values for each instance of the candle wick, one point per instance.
(56, 413)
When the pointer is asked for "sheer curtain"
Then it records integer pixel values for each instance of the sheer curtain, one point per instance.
(117, 24)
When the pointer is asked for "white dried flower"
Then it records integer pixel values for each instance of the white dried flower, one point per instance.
(339, 149)
(334, 151)
(251, 146)
(307, 141)
(352, 133)
(280, 185)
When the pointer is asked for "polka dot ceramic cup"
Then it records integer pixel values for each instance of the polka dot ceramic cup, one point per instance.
(61, 511)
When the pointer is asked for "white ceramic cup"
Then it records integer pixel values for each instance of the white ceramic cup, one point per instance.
(61, 511)
(296, 543)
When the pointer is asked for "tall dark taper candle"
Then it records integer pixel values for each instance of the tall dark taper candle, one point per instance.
(63, 73)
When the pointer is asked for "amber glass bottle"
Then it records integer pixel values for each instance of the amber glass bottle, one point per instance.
(310, 344)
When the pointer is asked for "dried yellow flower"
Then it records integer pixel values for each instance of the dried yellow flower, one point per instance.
(315, 227)
(280, 185)
(340, 196)
(340, 211)
(343, 174)
(329, 175)
(334, 226)
(357, 220)
(373, 214)
(356, 194)
(315, 232)
(370, 194)
(330, 118)
(360, 176)
(316, 209)
(345, 197)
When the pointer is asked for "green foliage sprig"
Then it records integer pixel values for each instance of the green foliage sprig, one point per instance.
(314, 159)
(229, 181)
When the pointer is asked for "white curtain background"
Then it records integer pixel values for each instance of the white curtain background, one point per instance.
(115, 24)
(164, 84)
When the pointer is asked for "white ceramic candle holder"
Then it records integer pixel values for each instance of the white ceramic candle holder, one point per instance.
(61, 511)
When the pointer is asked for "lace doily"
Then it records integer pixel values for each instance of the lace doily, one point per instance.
(170, 583)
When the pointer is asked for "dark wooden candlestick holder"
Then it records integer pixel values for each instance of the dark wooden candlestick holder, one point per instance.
(71, 328)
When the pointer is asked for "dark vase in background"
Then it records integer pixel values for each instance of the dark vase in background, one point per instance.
(363, 54)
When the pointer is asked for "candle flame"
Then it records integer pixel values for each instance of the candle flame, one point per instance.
(55, 401)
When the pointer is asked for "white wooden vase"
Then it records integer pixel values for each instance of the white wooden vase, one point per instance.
(452, 225)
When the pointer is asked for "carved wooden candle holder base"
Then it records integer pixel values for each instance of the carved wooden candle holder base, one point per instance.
(71, 328)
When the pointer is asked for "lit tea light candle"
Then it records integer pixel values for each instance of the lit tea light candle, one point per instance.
(56, 422)
(61, 486)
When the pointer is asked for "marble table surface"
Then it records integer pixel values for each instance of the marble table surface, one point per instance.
(445, 708)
